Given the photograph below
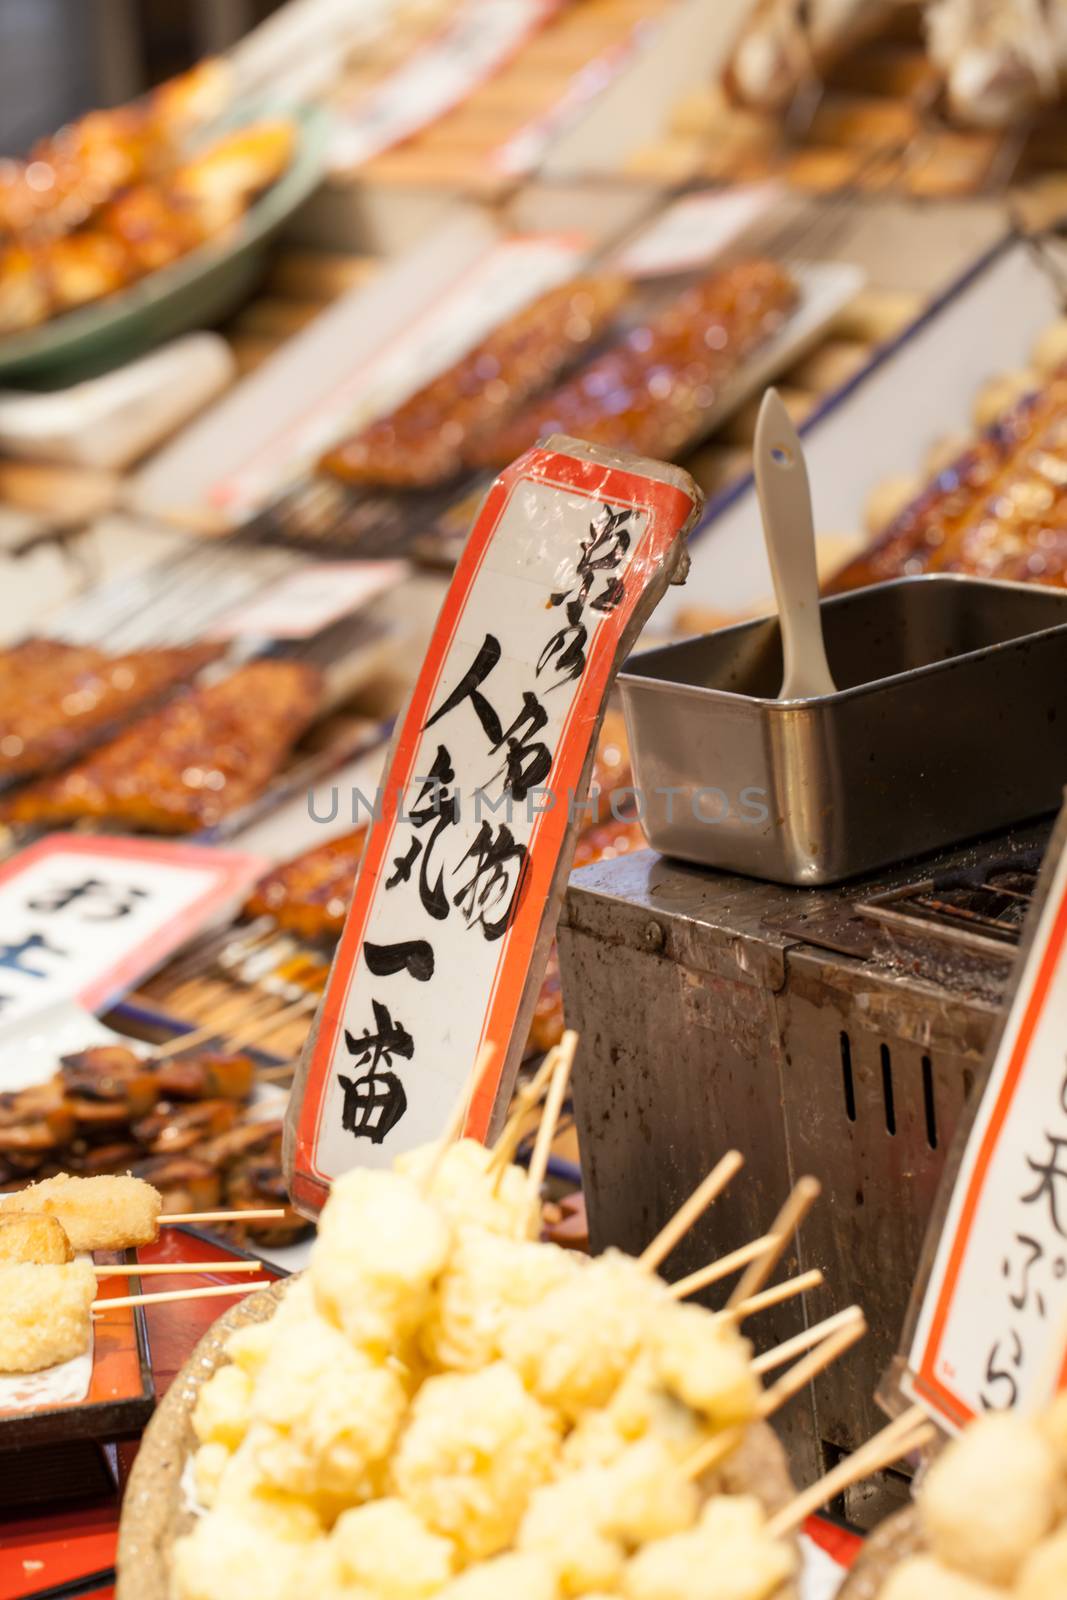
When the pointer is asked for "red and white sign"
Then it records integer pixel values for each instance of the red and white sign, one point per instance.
(466, 860)
(992, 1329)
(83, 918)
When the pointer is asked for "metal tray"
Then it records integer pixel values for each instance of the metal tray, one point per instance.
(951, 721)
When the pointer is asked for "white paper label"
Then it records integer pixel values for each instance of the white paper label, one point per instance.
(83, 918)
(991, 1332)
(304, 602)
(695, 229)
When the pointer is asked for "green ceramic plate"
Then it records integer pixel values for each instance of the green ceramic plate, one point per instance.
(196, 291)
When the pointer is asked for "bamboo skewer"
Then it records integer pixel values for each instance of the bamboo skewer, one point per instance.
(264, 1020)
(525, 1101)
(782, 1354)
(178, 1294)
(176, 1268)
(199, 1036)
(909, 1432)
(656, 1253)
(715, 1450)
(715, 1271)
(267, 1215)
(773, 1297)
(804, 1195)
(457, 1119)
(546, 1128)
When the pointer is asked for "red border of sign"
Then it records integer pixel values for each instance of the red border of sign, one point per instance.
(234, 872)
(926, 1378)
(668, 509)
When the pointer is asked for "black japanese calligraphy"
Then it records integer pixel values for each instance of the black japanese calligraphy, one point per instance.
(414, 956)
(375, 1102)
(98, 900)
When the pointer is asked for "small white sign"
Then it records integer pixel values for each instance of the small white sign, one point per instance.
(990, 1333)
(694, 230)
(304, 602)
(83, 918)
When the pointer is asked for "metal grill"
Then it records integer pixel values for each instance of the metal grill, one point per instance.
(987, 915)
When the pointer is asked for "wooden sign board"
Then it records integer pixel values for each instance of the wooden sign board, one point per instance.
(988, 1325)
(455, 906)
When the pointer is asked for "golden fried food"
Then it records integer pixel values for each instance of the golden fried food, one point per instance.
(208, 752)
(423, 442)
(95, 1213)
(45, 1314)
(33, 1238)
(650, 391)
(729, 1555)
(54, 697)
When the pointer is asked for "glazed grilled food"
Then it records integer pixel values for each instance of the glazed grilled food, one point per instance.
(998, 511)
(310, 894)
(423, 442)
(112, 197)
(55, 697)
(205, 754)
(183, 1125)
(651, 391)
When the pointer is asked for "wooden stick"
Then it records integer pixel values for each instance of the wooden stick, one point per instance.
(786, 1223)
(909, 1432)
(457, 1118)
(716, 1270)
(546, 1128)
(525, 1101)
(176, 1268)
(178, 1294)
(199, 1036)
(782, 1354)
(263, 1019)
(715, 1450)
(687, 1213)
(222, 1216)
(773, 1297)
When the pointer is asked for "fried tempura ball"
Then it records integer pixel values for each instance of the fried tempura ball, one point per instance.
(923, 1578)
(96, 1213)
(326, 1414)
(1053, 1426)
(476, 1447)
(510, 1577)
(640, 1408)
(45, 1314)
(991, 1497)
(467, 1192)
(244, 1494)
(1043, 1575)
(224, 1408)
(728, 1556)
(573, 1348)
(33, 1238)
(385, 1550)
(228, 1558)
(379, 1249)
(584, 1523)
(705, 1362)
(488, 1278)
(209, 1464)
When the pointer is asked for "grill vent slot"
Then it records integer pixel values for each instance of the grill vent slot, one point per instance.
(929, 1102)
(846, 1077)
(887, 1090)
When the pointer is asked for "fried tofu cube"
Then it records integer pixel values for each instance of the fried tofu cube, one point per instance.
(37, 1239)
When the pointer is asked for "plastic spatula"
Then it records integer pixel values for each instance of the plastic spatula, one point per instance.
(789, 533)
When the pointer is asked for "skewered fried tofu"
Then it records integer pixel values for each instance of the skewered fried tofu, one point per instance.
(489, 1277)
(208, 752)
(705, 1362)
(96, 1213)
(922, 1575)
(230, 1558)
(574, 1347)
(33, 1239)
(384, 1550)
(983, 1534)
(45, 1315)
(223, 1408)
(465, 1190)
(518, 1577)
(1043, 1575)
(474, 1449)
(585, 1523)
(639, 1409)
(728, 1556)
(380, 1248)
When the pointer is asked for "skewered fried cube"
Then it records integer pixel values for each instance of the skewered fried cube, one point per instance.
(96, 1213)
(728, 1556)
(385, 1550)
(1043, 1575)
(45, 1315)
(923, 1575)
(518, 1577)
(33, 1239)
(467, 1190)
(488, 1279)
(705, 1362)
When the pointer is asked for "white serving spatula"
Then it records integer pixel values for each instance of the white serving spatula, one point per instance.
(789, 533)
